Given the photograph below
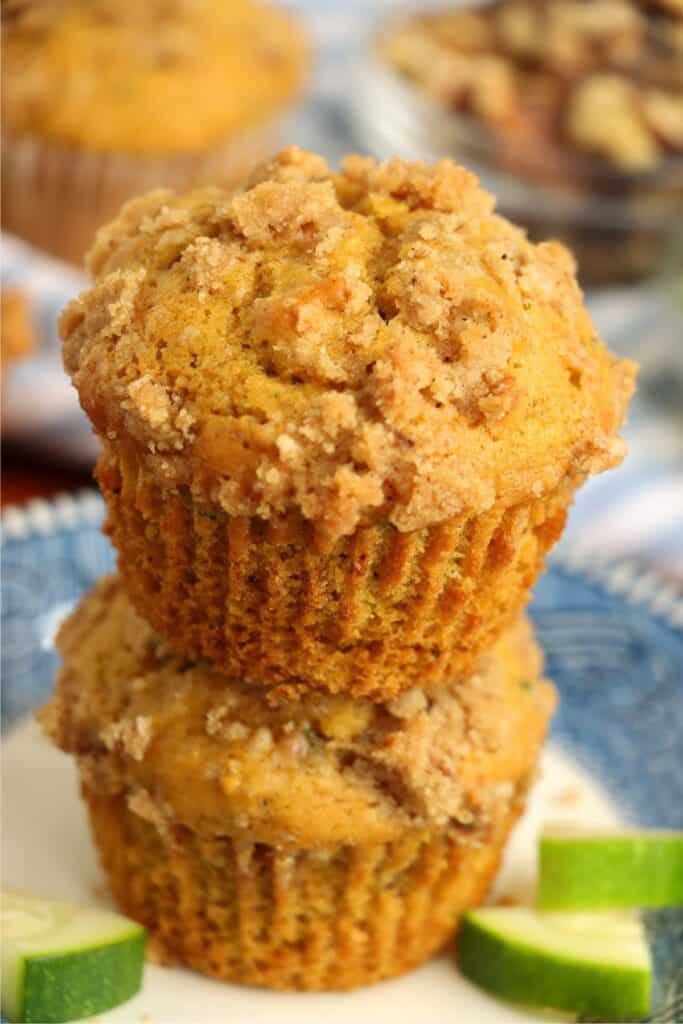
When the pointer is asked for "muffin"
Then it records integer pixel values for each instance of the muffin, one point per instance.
(327, 844)
(343, 418)
(103, 99)
(584, 98)
(17, 333)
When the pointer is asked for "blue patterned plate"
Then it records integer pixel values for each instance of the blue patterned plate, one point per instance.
(613, 638)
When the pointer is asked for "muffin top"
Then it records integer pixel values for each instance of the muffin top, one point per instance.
(373, 344)
(190, 747)
(565, 88)
(150, 77)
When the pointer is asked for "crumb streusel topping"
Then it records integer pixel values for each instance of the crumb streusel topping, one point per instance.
(214, 755)
(376, 343)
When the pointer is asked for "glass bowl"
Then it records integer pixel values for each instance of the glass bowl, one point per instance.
(618, 225)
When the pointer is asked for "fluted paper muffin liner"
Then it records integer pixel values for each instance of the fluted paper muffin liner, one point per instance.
(57, 197)
(292, 918)
(379, 612)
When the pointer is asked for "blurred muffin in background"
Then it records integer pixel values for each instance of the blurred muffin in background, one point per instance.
(18, 338)
(107, 98)
(321, 845)
(343, 417)
(583, 96)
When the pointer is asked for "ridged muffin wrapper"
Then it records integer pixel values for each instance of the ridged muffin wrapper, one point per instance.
(56, 197)
(293, 919)
(378, 613)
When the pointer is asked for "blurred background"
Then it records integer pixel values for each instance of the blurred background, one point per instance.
(571, 112)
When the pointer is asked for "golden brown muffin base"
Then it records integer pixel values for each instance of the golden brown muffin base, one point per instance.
(379, 613)
(262, 915)
(57, 197)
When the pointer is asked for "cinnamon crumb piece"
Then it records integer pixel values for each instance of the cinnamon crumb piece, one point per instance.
(408, 704)
(142, 804)
(132, 734)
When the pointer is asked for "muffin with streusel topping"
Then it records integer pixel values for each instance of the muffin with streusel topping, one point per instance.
(104, 99)
(343, 418)
(327, 844)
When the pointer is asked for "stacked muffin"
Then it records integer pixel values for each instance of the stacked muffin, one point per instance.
(343, 416)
